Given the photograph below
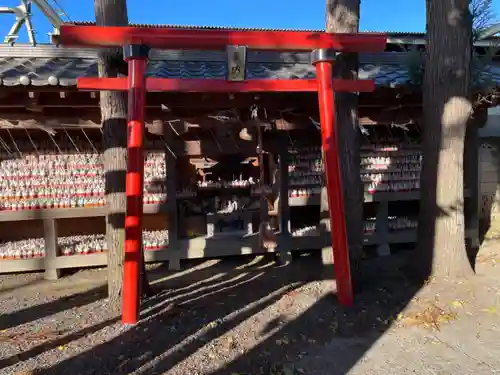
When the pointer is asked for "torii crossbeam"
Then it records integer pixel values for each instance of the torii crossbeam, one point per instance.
(136, 42)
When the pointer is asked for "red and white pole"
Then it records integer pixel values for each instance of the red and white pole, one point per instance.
(137, 58)
(324, 59)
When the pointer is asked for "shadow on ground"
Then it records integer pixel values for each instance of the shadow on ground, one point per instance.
(236, 319)
(50, 308)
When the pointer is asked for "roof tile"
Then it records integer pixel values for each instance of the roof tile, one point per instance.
(49, 65)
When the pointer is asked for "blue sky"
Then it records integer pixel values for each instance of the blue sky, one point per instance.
(376, 15)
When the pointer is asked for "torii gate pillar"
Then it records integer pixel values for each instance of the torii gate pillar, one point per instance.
(137, 58)
(324, 59)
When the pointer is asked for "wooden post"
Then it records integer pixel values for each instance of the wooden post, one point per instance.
(171, 155)
(382, 228)
(51, 249)
(285, 256)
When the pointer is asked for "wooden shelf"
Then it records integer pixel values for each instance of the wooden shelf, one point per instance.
(314, 199)
(76, 261)
(68, 213)
(22, 265)
(220, 245)
(369, 239)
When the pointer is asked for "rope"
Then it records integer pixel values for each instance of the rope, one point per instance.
(14, 143)
(5, 146)
(32, 143)
(90, 141)
(55, 143)
(71, 140)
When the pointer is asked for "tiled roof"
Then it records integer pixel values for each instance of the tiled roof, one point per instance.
(53, 66)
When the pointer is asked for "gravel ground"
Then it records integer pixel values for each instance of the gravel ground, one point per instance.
(245, 316)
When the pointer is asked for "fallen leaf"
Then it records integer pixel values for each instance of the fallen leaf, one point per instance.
(61, 348)
(230, 343)
(458, 303)
(431, 317)
(211, 325)
(491, 310)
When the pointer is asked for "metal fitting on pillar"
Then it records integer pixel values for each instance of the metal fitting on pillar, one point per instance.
(135, 52)
(323, 55)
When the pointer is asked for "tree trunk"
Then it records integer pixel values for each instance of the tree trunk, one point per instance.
(446, 110)
(114, 125)
(342, 16)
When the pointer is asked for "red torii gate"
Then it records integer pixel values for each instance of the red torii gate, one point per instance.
(136, 42)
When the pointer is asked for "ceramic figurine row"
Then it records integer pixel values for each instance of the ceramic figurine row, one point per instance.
(400, 186)
(67, 179)
(310, 230)
(402, 222)
(86, 244)
(370, 225)
(68, 202)
(395, 224)
(390, 177)
(75, 245)
(227, 206)
(305, 192)
(30, 164)
(384, 167)
(30, 248)
(227, 184)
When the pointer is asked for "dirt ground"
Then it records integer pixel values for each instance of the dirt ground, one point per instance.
(247, 316)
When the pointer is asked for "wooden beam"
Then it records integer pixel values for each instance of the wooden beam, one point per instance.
(212, 148)
(50, 97)
(155, 118)
(49, 124)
